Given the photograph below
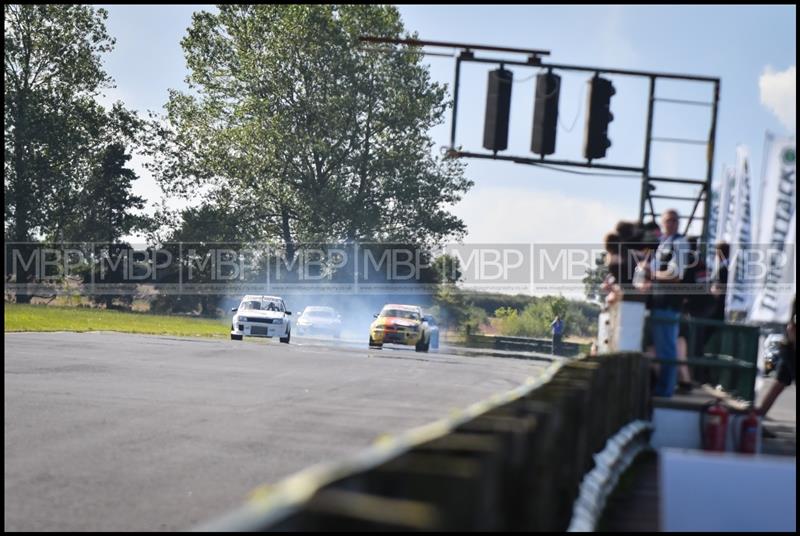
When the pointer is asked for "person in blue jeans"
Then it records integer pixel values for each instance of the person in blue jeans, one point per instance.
(664, 274)
(557, 327)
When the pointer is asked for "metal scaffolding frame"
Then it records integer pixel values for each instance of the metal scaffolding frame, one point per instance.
(534, 59)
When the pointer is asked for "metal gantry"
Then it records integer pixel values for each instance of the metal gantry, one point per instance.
(647, 208)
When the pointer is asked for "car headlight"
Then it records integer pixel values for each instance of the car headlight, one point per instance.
(242, 319)
(278, 321)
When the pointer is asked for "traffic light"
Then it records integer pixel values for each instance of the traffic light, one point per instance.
(595, 141)
(498, 106)
(545, 113)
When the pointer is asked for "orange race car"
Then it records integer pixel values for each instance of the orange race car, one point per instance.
(400, 324)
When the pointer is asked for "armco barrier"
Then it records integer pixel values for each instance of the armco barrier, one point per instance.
(513, 462)
(521, 344)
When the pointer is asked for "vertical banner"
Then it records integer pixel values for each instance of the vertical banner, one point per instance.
(723, 231)
(740, 291)
(714, 215)
(776, 284)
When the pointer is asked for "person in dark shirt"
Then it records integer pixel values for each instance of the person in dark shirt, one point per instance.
(719, 281)
(557, 326)
(617, 275)
(698, 302)
(625, 247)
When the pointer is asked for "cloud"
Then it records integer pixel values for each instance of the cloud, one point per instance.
(512, 219)
(516, 215)
(615, 49)
(779, 94)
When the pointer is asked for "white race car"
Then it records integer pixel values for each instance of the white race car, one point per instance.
(261, 316)
(317, 319)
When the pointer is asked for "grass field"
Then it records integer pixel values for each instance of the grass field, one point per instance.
(50, 318)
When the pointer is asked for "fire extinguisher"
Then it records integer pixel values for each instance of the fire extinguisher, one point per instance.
(748, 433)
(714, 427)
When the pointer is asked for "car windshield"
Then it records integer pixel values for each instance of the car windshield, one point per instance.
(400, 313)
(255, 305)
(319, 313)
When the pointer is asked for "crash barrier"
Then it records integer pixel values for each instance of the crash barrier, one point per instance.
(721, 354)
(522, 344)
(514, 462)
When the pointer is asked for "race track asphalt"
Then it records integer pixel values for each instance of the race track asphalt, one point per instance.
(117, 432)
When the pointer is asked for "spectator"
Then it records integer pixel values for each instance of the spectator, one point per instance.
(557, 326)
(612, 283)
(630, 234)
(719, 281)
(787, 366)
(623, 248)
(650, 237)
(645, 243)
(627, 231)
(661, 274)
(697, 303)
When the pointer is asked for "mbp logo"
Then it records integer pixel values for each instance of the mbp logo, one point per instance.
(488, 266)
(563, 266)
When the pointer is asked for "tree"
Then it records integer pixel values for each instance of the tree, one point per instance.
(52, 123)
(52, 73)
(193, 246)
(318, 139)
(451, 304)
(558, 305)
(448, 267)
(534, 320)
(101, 216)
(102, 211)
(593, 279)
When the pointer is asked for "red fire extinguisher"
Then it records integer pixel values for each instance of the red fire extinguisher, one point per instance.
(748, 433)
(714, 422)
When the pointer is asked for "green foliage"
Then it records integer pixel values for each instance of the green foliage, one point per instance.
(109, 270)
(454, 313)
(201, 231)
(522, 316)
(534, 318)
(53, 71)
(316, 139)
(102, 208)
(490, 302)
(448, 269)
(65, 178)
(593, 280)
(533, 321)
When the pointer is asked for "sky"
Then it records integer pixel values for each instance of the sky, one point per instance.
(751, 48)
